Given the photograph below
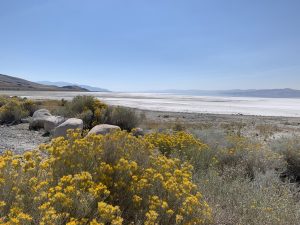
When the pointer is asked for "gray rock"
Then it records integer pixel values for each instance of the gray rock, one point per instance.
(138, 132)
(38, 119)
(41, 113)
(72, 123)
(26, 120)
(51, 122)
(103, 129)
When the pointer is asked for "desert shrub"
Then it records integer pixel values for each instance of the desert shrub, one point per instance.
(178, 126)
(184, 146)
(87, 118)
(105, 115)
(235, 199)
(125, 118)
(82, 103)
(30, 106)
(13, 109)
(234, 127)
(12, 112)
(87, 108)
(52, 105)
(238, 151)
(289, 148)
(93, 112)
(3, 100)
(112, 179)
(252, 155)
(267, 130)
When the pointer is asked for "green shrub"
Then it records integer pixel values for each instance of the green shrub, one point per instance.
(12, 112)
(30, 106)
(87, 118)
(87, 108)
(3, 100)
(80, 104)
(13, 109)
(125, 118)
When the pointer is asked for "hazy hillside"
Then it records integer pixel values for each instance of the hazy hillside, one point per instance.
(18, 84)
(62, 83)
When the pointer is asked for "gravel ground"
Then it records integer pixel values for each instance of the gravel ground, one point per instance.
(19, 138)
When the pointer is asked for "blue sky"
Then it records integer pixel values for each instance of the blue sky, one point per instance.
(127, 45)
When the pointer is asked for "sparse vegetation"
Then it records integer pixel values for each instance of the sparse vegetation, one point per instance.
(289, 148)
(266, 130)
(12, 110)
(244, 183)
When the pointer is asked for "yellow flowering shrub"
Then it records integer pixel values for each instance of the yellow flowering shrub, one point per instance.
(184, 146)
(12, 111)
(111, 179)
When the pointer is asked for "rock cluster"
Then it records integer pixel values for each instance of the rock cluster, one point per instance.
(42, 118)
(58, 126)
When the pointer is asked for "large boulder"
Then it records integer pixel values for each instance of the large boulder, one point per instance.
(103, 129)
(51, 122)
(41, 113)
(72, 123)
(38, 119)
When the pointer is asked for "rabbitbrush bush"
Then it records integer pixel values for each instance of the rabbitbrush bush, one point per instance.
(112, 179)
(12, 112)
(13, 109)
(184, 146)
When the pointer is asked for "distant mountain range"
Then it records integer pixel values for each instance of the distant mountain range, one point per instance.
(62, 83)
(18, 84)
(10, 83)
(261, 93)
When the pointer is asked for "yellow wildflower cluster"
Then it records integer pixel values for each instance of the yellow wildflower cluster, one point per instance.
(184, 146)
(112, 179)
(180, 143)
